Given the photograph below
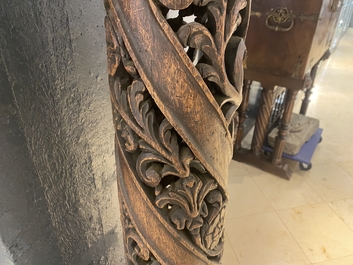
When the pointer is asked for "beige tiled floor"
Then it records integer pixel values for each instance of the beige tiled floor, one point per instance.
(309, 219)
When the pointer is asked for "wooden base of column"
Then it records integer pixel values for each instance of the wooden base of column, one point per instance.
(263, 162)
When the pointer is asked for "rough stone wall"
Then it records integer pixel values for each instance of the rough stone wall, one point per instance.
(57, 171)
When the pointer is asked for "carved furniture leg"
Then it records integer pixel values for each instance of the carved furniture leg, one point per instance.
(242, 111)
(308, 90)
(284, 127)
(173, 114)
(262, 119)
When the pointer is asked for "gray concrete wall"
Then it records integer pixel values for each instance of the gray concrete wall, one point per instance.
(5, 258)
(58, 194)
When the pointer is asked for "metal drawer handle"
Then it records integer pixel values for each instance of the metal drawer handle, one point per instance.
(280, 15)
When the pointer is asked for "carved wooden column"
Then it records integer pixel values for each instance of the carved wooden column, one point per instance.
(309, 85)
(284, 127)
(262, 119)
(308, 89)
(175, 88)
(243, 109)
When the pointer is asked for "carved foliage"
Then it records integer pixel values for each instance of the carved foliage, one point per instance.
(162, 161)
(172, 177)
(207, 40)
(136, 250)
(195, 204)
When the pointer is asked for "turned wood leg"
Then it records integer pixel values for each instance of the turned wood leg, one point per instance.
(284, 127)
(308, 90)
(243, 109)
(262, 119)
(173, 114)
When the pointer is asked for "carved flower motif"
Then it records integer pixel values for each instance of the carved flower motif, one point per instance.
(182, 220)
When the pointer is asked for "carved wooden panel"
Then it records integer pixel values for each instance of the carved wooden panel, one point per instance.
(175, 88)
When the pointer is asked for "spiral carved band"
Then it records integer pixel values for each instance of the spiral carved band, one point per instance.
(175, 88)
(284, 127)
(262, 120)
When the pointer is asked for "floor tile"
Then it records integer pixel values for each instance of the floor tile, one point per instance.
(253, 171)
(321, 156)
(319, 231)
(344, 209)
(229, 257)
(347, 166)
(246, 198)
(237, 169)
(340, 146)
(342, 261)
(284, 194)
(264, 240)
(330, 181)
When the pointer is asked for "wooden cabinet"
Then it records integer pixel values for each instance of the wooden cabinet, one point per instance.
(286, 41)
(287, 38)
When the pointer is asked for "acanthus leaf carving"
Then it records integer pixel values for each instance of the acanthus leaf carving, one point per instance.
(186, 194)
(137, 251)
(197, 36)
(131, 143)
(194, 204)
(233, 18)
(158, 142)
(214, 26)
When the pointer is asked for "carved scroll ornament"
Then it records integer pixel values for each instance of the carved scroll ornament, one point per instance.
(175, 88)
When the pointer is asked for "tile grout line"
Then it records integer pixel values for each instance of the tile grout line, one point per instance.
(290, 232)
(257, 185)
(345, 171)
(351, 228)
(235, 254)
(318, 263)
(305, 179)
(313, 187)
(279, 219)
(309, 204)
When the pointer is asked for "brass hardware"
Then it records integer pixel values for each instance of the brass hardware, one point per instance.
(280, 15)
(256, 14)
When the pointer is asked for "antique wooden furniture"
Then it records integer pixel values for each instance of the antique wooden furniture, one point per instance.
(175, 114)
(286, 41)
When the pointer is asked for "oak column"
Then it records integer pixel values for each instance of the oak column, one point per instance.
(284, 127)
(175, 88)
(262, 119)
